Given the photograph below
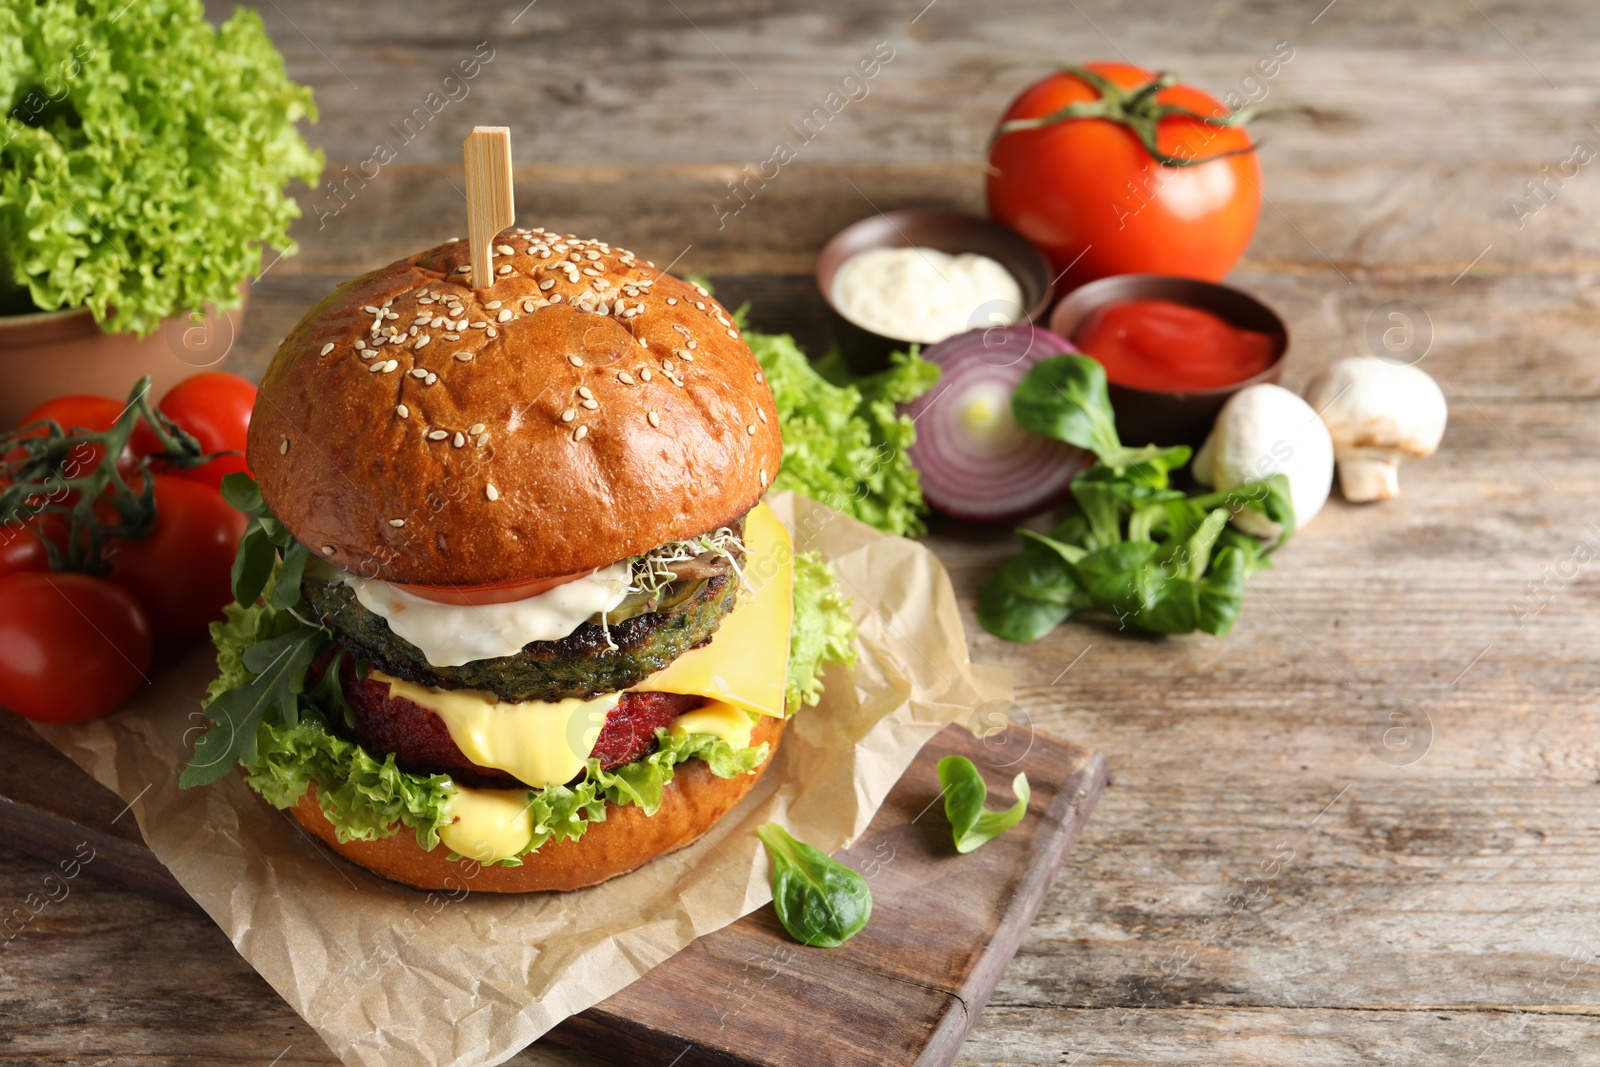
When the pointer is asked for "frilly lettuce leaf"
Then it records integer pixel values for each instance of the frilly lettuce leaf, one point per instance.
(821, 631)
(143, 157)
(844, 443)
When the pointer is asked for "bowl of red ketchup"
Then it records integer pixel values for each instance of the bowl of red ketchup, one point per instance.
(1174, 350)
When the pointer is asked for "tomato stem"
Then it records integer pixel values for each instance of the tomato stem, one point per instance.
(41, 474)
(1138, 110)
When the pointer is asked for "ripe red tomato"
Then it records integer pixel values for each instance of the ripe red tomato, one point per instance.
(72, 647)
(215, 407)
(21, 550)
(181, 573)
(1089, 194)
(93, 413)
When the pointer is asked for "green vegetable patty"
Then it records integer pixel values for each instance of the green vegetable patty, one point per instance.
(583, 664)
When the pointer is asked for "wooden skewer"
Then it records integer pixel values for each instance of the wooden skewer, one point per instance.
(490, 206)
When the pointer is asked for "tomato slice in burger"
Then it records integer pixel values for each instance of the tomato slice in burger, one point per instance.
(493, 593)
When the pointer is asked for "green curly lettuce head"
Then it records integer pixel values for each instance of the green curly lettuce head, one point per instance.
(143, 157)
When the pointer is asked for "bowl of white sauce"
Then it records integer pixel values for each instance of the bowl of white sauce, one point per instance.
(918, 277)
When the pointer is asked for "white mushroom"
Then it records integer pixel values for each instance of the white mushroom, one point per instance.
(1262, 431)
(1378, 413)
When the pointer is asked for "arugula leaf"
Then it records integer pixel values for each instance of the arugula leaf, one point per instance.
(278, 668)
(820, 901)
(964, 798)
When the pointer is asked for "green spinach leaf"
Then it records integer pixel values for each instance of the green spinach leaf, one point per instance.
(820, 901)
(964, 798)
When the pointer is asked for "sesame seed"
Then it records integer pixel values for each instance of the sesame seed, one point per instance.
(655, 420)
(424, 316)
(403, 411)
(483, 439)
(758, 376)
(591, 272)
(733, 334)
(580, 433)
(583, 391)
(360, 344)
(687, 357)
(283, 447)
(547, 284)
(763, 477)
(430, 379)
(370, 310)
(666, 367)
(327, 348)
(492, 332)
(556, 299)
(505, 315)
(643, 343)
(375, 368)
(419, 372)
(438, 435)
(504, 269)
(460, 438)
(480, 324)
(452, 337)
(491, 492)
(624, 377)
(751, 429)
(644, 372)
(576, 361)
(327, 550)
(397, 522)
(569, 414)
(693, 345)
(760, 414)
(465, 357)
(505, 250)
(391, 365)
(592, 405)
(671, 300)
(528, 305)
(475, 429)
(700, 304)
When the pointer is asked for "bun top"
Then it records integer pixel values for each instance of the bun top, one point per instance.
(583, 408)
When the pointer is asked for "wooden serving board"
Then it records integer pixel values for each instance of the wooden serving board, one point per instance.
(903, 991)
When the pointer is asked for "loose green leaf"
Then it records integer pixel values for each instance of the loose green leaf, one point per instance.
(1065, 397)
(278, 668)
(820, 901)
(964, 798)
(252, 564)
(1138, 550)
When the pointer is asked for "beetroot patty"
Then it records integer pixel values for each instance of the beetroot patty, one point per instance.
(421, 742)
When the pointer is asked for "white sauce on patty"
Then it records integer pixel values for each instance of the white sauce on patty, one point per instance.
(450, 635)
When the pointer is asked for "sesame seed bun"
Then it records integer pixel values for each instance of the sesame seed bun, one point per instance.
(627, 839)
(581, 409)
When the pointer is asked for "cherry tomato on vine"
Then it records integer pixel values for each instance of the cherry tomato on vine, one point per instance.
(215, 407)
(1088, 191)
(72, 647)
(93, 413)
(181, 573)
(21, 550)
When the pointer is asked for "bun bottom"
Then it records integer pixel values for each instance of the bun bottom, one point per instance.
(691, 804)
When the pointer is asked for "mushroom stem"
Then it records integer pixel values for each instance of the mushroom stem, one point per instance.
(1367, 474)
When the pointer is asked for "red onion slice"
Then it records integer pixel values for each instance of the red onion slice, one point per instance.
(976, 462)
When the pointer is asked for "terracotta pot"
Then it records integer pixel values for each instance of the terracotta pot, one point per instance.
(53, 353)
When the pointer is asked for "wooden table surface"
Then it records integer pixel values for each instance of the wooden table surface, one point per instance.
(1361, 828)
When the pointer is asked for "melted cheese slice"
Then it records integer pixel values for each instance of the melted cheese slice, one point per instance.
(747, 661)
(541, 742)
(722, 720)
(488, 824)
